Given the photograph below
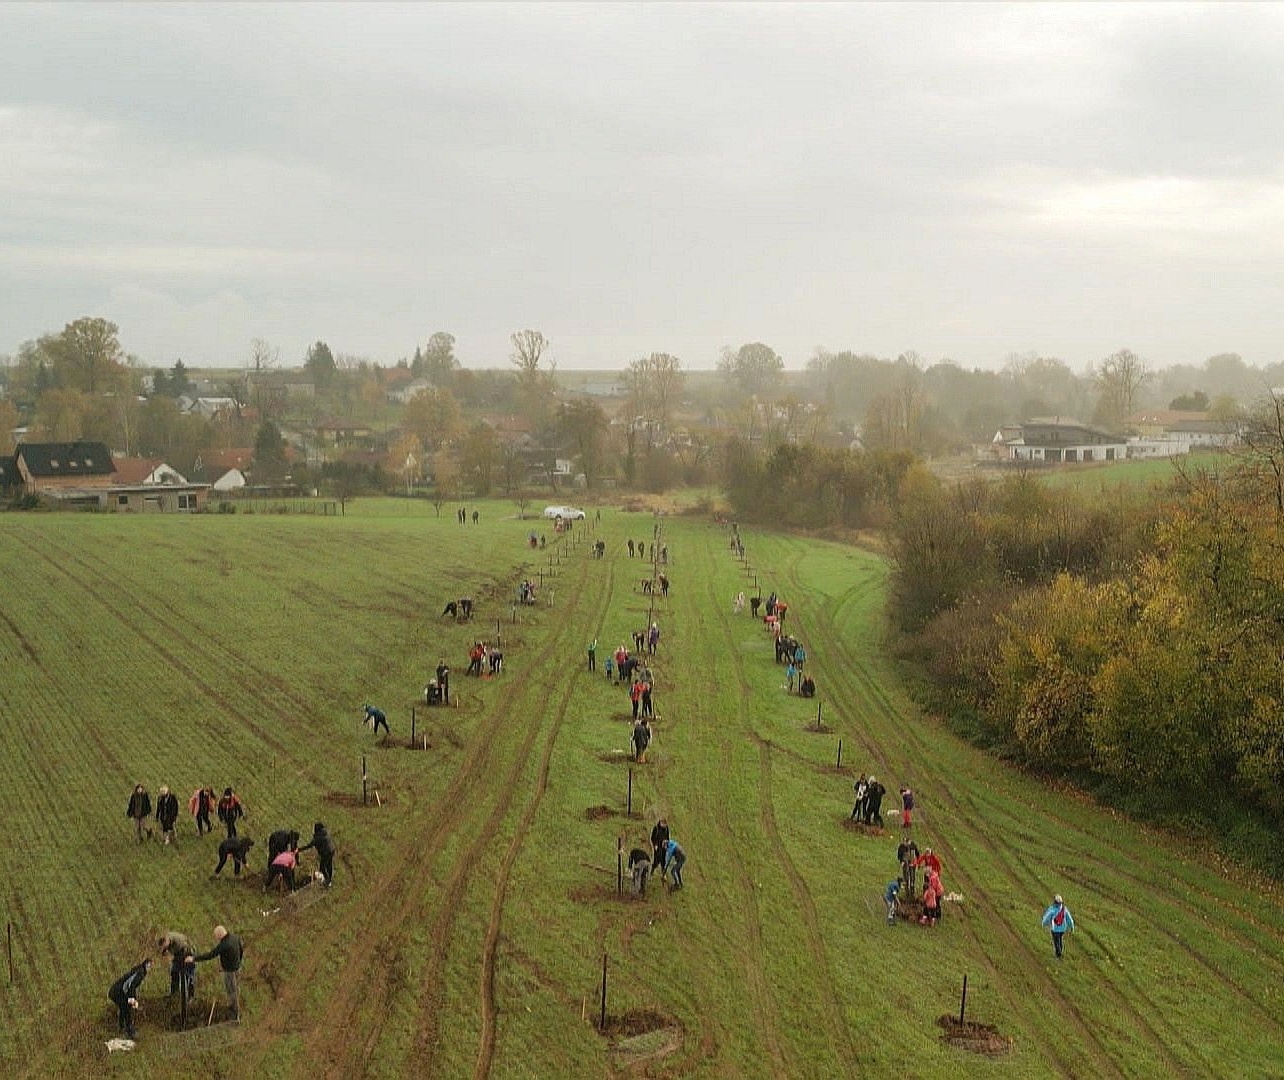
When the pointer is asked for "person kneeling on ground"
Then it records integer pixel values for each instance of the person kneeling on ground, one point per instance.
(807, 688)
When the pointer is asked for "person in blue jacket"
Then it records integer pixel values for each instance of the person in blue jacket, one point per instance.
(1059, 920)
(890, 896)
(674, 859)
(376, 717)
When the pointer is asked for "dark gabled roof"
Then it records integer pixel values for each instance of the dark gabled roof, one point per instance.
(66, 459)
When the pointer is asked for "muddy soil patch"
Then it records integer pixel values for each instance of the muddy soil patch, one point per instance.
(352, 800)
(641, 1035)
(599, 813)
(970, 1035)
(823, 729)
(861, 829)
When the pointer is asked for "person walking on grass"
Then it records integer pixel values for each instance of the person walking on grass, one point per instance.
(874, 802)
(861, 788)
(592, 655)
(907, 856)
(167, 814)
(230, 811)
(140, 809)
(635, 696)
(907, 807)
(202, 804)
(230, 953)
(124, 995)
(1059, 920)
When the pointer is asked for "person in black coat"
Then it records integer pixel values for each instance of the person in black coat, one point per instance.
(167, 813)
(874, 802)
(278, 842)
(443, 681)
(140, 809)
(237, 848)
(325, 851)
(124, 995)
(659, 840)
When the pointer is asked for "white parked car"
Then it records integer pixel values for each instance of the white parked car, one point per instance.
(566, 513)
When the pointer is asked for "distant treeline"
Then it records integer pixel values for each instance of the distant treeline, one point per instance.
(1132, 643)
(813, 487)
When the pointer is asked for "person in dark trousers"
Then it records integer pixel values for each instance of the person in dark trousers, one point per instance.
(861, 788)
(202, 804)
(451, 609)
(907, 856)
(230, 953)
(230, 811)
(1059, 920)
(124, 995)
(874, 803)
(376, 717)
(140, 809)
(592, 655)
(630, 549)
(167, 814)
(283, 867)
(443, 680)
(279, 841)
(181, 972)
(466, 606)
(325, 851)
(237, 848)
(659, 837)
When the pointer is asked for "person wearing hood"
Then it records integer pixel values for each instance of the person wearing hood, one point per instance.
(1059, 920)
(325, 851)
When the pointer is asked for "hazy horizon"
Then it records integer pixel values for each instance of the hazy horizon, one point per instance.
(962, 181)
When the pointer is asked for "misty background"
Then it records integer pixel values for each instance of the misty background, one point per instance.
(963, 181)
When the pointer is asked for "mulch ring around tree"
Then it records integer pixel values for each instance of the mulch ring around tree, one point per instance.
(598, 813)
(352, 799)
(978, 1038)
(863, 829)
(641, 1035)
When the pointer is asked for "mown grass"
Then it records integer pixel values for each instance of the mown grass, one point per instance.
(238, 649)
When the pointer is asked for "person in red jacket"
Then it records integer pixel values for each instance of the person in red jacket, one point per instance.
(930, 859)
(635, 696)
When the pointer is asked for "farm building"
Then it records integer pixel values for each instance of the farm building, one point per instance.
(79, 474)
(1061, 439)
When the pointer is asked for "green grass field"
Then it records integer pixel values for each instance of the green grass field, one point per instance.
(471, 910)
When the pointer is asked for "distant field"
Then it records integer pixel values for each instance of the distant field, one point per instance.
(472, 909)
(1107, 475)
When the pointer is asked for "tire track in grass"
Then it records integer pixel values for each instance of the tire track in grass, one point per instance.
(163, 650)
(852, 684)
(767, 1019)
(405, 895)
(1158, 928)
(839, 1036)
(486, 1051)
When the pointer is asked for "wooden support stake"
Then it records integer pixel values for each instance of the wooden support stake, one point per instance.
(363, 779)
(818, 716)
(9, 946)
(412, 726)
(602, 1023)
(619, 865)
(629, 805)
(378, 801)
(963, 1003)
(182, 998)
(211, 1019)
(840, 753)
(499, 641)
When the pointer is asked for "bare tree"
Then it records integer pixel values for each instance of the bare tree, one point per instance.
(1118, 379)
(529, 347)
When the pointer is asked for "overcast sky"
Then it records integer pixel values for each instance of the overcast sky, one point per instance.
(963, 181)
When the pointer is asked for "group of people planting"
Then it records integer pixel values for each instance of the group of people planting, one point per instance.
(633, 669)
